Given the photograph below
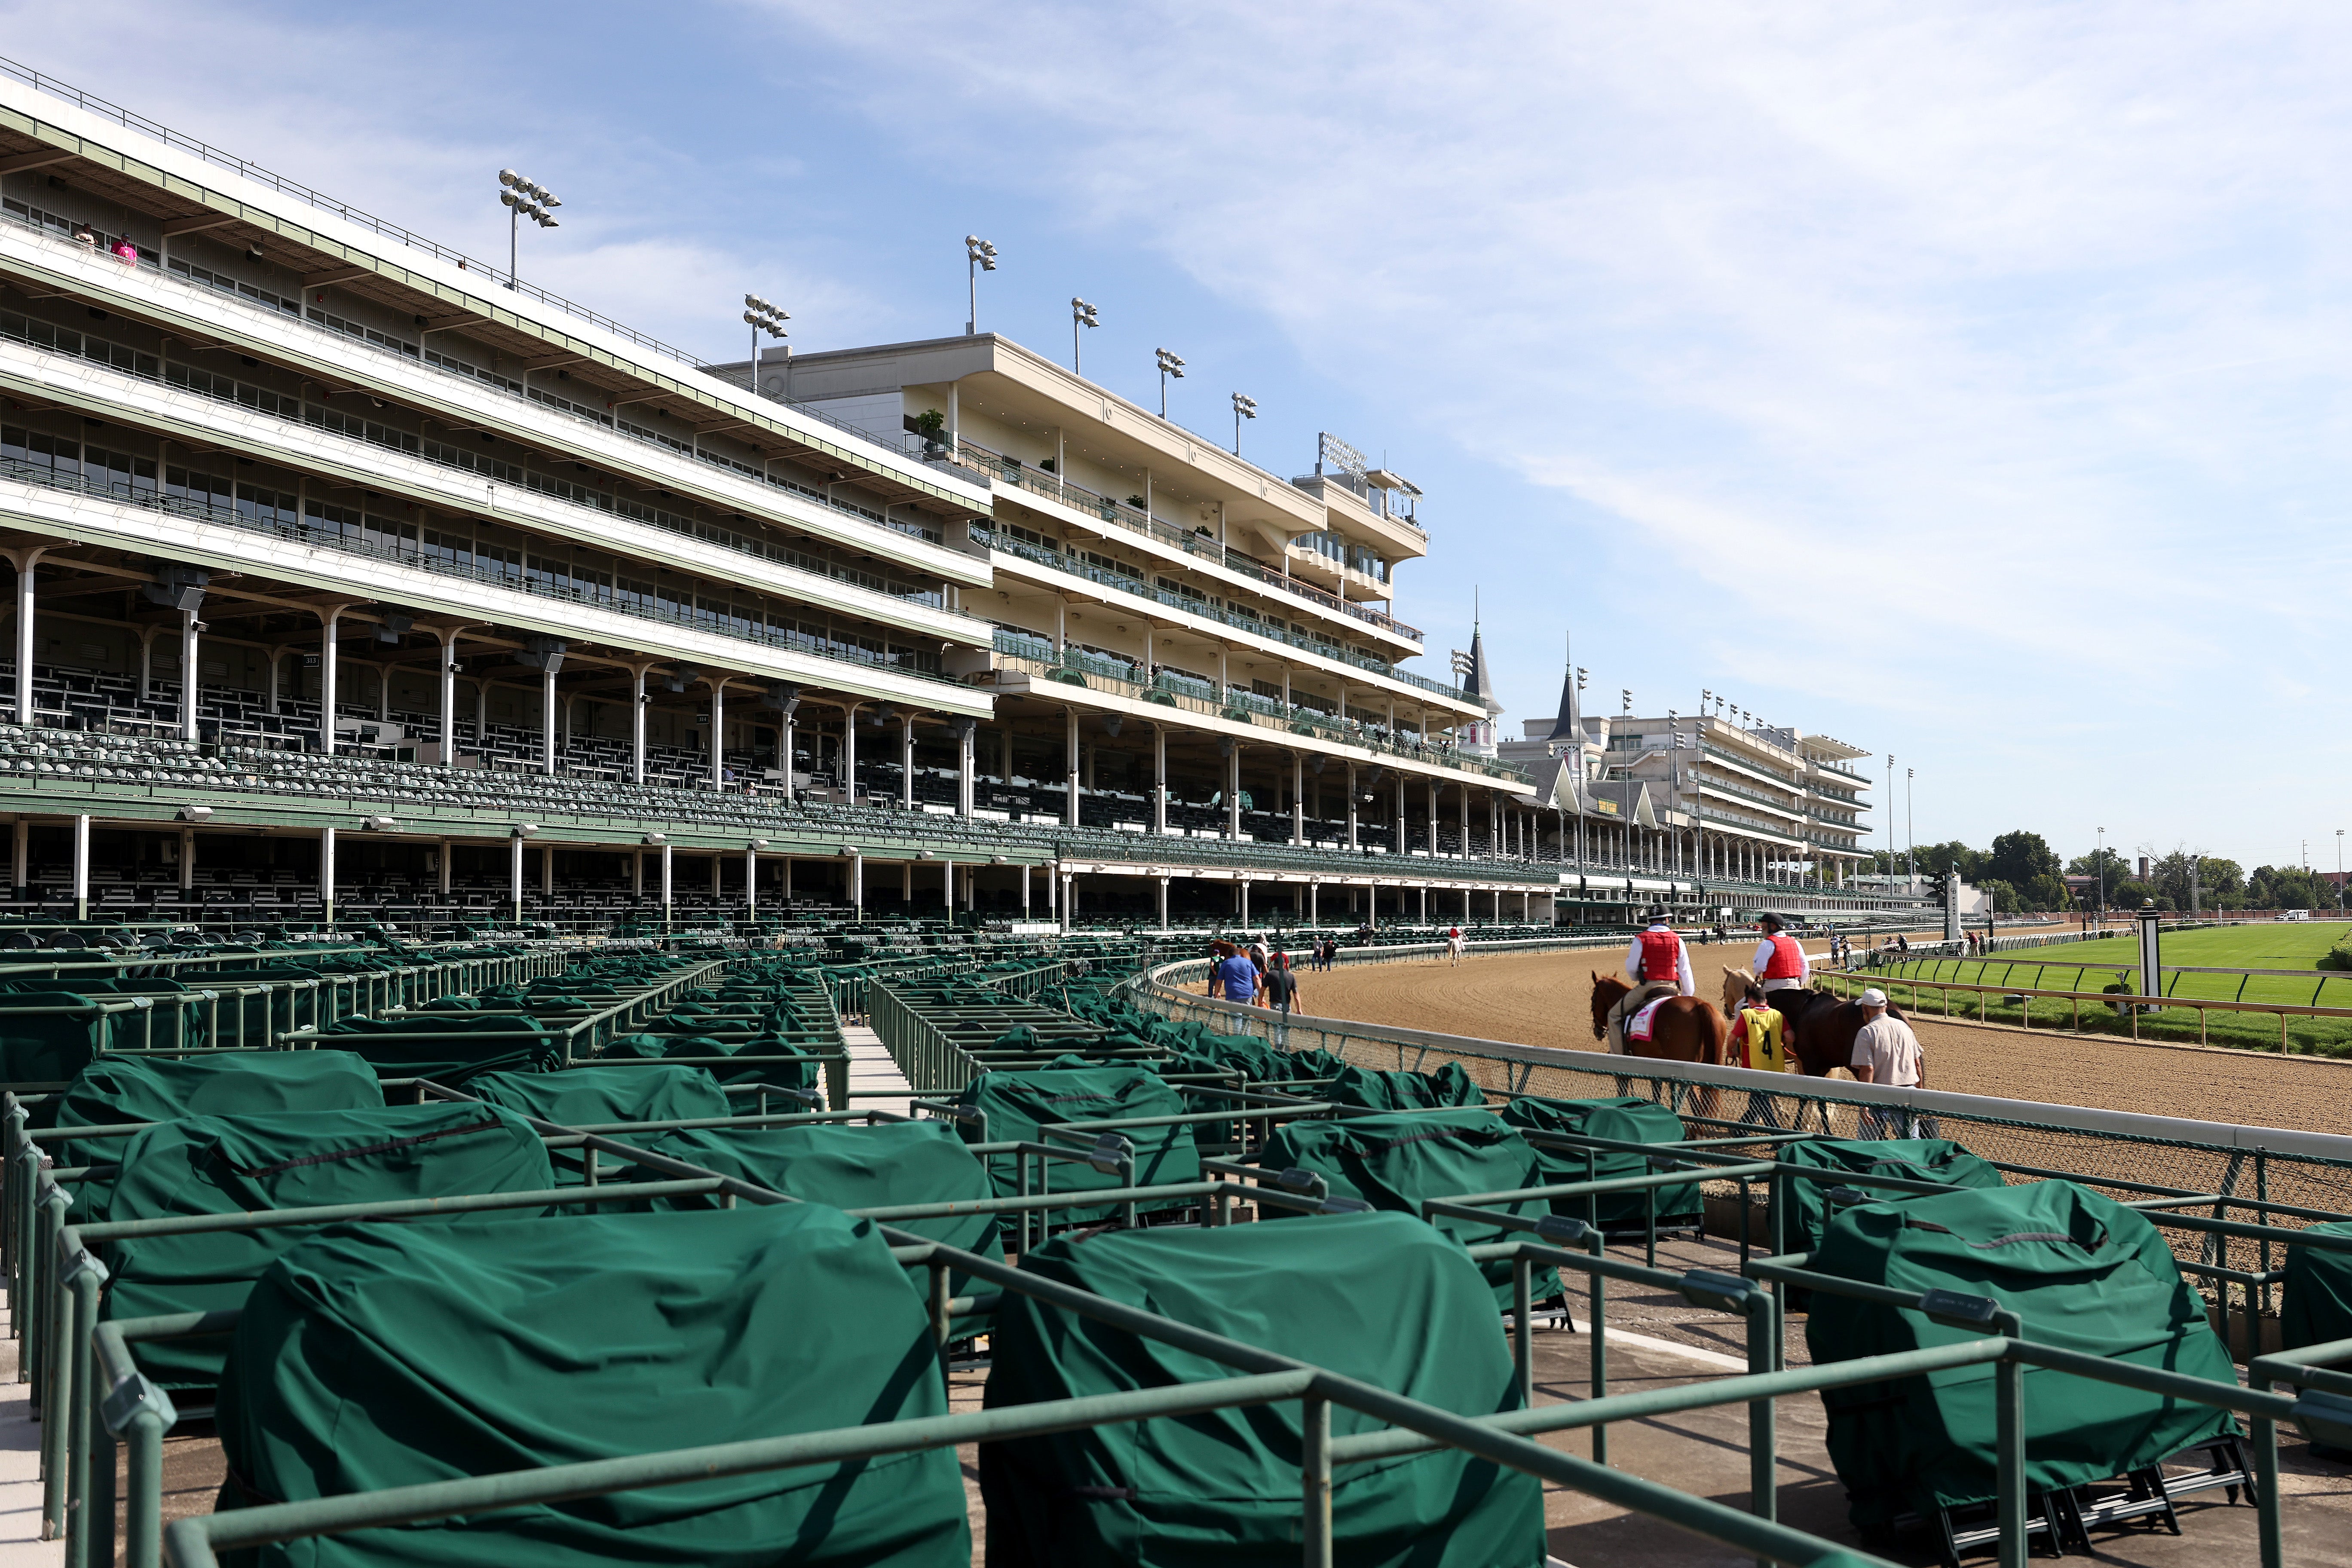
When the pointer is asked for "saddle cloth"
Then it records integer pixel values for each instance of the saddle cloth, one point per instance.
(1637, 1027)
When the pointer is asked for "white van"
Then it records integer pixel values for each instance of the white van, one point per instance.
(2295, 914)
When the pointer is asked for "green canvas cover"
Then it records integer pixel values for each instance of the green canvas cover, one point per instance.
(1913, 1159)
(592, 1096)
(849, 1167)
(1625, 1119)
(2083, 1272)
(2316, 1307)
(117, 1088)
(1449, 1085)
(803, 1072)
(1378, 1297)
(1396, 1160)
(1018, 1103)
(421, 1045)
(239, 1164)
(394, 1355)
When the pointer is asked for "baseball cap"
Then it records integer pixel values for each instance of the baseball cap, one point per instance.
(1873, 997)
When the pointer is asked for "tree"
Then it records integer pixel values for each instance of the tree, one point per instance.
(2088, 865)
(2046, 891)
(2005, 897)
(2019, 856)
(1935, 859)
(2129, 893)
(2217, 879)
(2281, 887)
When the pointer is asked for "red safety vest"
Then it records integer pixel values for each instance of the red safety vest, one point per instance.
(1787, 960)
(1662, 954)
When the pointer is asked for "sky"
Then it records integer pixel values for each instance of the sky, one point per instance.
(1970, 383)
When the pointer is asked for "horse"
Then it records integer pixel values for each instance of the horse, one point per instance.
(1818, 1027)
(1683, 1028)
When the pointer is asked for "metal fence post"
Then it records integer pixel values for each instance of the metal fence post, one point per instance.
(1315, 1482)
(2009, 1428)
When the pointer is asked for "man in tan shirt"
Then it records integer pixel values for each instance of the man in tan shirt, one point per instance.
(1887, 1051)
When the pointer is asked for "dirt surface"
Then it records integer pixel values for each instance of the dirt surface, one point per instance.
(1544, 999)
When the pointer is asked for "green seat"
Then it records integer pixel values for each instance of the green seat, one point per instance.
(592, 1096)
(2083, 1273)
(116, 1088)
(1018, 1105)
(1377, 1090)
(1913, 1159)
(1625, 1119)
(1376, 1297)
(448, 1047)
(245, 1164)
(386, 1356)
(1397, 1162)
(2316, 1304)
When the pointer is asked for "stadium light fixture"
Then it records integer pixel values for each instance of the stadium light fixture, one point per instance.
(979, 257)
(1081, 315)
(1244, 407)
(1627, 693)
(524, 198)
(1170, 365)
(763, 317)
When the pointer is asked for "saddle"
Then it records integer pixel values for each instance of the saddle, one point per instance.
(1632, 1002)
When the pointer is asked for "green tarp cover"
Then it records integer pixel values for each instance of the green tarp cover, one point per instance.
(1913, 1159)
(803, 1071)
(394, 1355)
(2082, 1271)
(239, 1164)
(590, 1096)
(1394, 1162)
(117, 1088)
(1378, 1297)
(449, 1048)
(1449, 1085)
(2316, 1308)
(1018, 1103)
(1627, 1119)
(849, 1167)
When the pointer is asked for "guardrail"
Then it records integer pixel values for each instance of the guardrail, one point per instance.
(2130, 1004)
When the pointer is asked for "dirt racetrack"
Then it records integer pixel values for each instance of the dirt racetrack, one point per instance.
(1543, 999)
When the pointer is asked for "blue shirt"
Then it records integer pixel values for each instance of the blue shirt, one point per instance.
(1238, 977)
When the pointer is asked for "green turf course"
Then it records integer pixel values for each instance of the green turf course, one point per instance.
(2095, 965)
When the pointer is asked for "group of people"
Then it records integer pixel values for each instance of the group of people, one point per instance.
(1885, 1049)
(1255, 974)
(123, 250)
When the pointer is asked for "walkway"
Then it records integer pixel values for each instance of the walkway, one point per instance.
(21, 1545)
(874, 1079)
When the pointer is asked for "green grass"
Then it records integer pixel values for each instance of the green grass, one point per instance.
(2095, 965)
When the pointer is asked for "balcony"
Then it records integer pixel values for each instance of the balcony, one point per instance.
(1002, 469)
(1274, 631)
(1035, 657)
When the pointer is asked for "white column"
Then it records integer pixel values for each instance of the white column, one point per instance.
(751, 884)
(547, 719)
(1070, 805)
(1069, 898)
(189, 675)
(966, 758)
(1163, 903)
(784, 743)
(906, 762)
(327, 681)
(857, 884)
(637, 725)
(1399, 814)
(444, 867)
(187, 859)
(946, 885)
(547, 870)
(668, 883)
(1312, 917)
(1233, 793)
(25, 644)
(81, 865)
(1160, 788)
(849, 751)
(449, 698)
(1297, 797)
(718, 734)
(24, 854)
(1028, 874)
(515, 877)
(1243, 885)
(1351, 808)
(326, 872)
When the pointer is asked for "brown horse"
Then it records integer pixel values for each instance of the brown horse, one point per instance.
(1684, 1029)
(1820, 1026)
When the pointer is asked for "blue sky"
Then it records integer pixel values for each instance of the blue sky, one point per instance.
(1966, 382)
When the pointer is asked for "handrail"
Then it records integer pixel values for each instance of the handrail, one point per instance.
(2129, 1003)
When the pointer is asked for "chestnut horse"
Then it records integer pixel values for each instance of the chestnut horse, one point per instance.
(1683, 1028)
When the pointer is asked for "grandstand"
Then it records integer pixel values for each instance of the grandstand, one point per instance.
(322, 530)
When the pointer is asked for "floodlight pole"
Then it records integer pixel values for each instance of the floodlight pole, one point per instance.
(514, 251)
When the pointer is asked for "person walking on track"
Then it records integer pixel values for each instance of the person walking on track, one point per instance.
(1659, 965)
(1279, 988)
(1780, 963)
(1886, 1052)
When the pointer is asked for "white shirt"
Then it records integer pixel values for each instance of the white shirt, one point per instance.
(1764, 957)
(1681, 966)
(1887, 1047)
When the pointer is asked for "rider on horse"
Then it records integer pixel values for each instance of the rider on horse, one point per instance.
(1780, 963)
(1658, 966)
